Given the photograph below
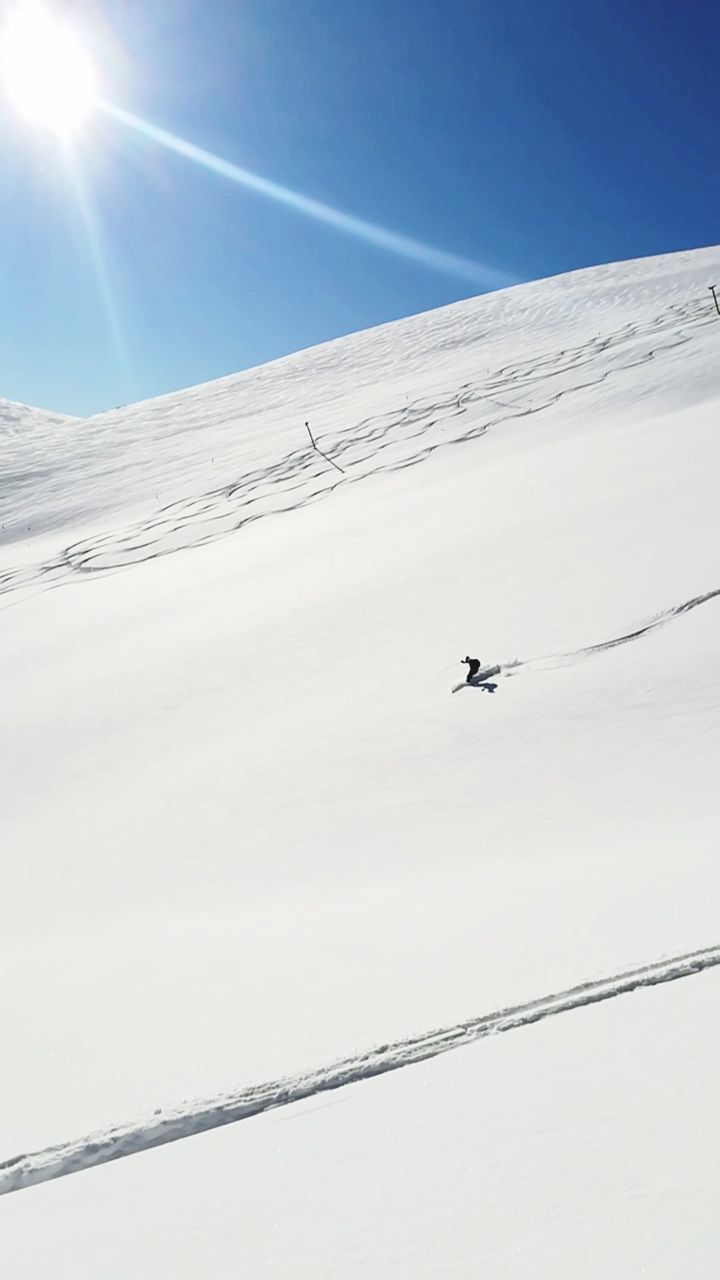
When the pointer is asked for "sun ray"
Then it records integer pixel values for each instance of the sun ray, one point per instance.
(98, 256)
(372, 233)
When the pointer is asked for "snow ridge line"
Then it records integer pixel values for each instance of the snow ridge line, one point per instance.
(161, 1128)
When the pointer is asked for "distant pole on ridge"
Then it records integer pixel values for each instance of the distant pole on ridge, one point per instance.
(322, 455)
(713, 290)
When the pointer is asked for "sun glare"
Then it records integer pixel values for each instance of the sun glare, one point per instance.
(48, 75)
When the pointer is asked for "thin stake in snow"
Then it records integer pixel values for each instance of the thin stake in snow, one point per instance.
(713, 290)
(322, 455)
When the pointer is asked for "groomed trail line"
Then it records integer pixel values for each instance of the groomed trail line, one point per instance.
(170, 1126)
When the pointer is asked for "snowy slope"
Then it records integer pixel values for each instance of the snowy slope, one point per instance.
(22, 420)
(27, 435)
(584, 1146)
(192, 466)
(175, 1124)
(245, 827)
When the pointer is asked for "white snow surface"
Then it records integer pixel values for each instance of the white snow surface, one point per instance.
(585, 1146)
(174, 1124)
(246, 829)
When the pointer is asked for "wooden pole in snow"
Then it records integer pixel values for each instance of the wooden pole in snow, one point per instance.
(713, 291)
(322, 455)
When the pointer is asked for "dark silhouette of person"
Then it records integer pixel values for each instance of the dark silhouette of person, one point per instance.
(473, 668)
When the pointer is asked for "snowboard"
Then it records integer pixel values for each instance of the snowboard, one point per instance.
(485, 674)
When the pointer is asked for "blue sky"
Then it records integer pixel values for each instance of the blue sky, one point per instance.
(532, 136)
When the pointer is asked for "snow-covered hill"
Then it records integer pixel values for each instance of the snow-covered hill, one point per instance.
(27, 435)
(246, 828)
(22, 419)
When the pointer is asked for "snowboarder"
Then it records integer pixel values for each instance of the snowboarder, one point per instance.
(474, 667)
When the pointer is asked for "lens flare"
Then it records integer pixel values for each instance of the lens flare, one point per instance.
(382, 237)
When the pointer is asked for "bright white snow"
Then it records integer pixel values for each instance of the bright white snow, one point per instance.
(245, 828)
(584, 1146)
(175, 1124)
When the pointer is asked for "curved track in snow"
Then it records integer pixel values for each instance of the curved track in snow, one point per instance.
(658, 620)
(165, 1127)
(387, 442)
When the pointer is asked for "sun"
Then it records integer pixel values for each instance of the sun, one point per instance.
(48, 75)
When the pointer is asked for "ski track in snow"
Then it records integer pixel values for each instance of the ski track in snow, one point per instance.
(660, 619)
(87, 1153)
(572, 656)
(371, 447)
